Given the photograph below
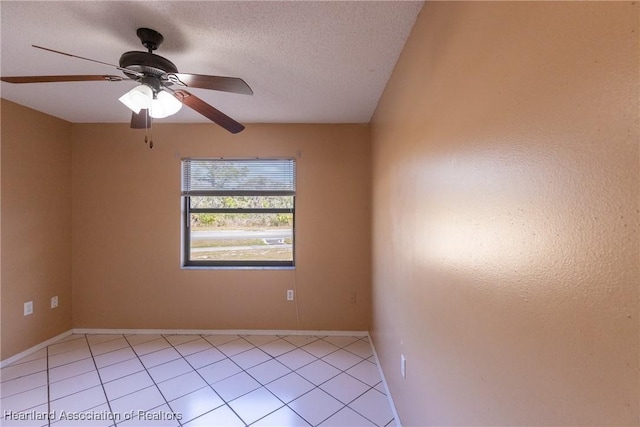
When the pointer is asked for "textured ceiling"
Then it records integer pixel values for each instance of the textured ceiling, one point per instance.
(306, 61)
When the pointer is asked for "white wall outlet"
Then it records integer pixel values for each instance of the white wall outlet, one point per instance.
(28, 308)
(54, 302)
(289, 294)
(403, 366)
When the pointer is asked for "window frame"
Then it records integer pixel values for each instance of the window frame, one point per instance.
(187, 262)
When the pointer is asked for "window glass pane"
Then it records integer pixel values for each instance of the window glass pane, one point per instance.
(230, 218)
(241, 237)
(243, 202)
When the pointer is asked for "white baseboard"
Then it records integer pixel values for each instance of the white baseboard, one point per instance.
(34, 349)
(384, 383)
(217, 332)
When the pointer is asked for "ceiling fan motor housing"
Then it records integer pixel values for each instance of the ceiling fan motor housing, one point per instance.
(146, 63)
(149, 64)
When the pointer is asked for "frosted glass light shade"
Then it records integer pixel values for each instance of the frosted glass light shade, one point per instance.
(164, 105)
(137, 98)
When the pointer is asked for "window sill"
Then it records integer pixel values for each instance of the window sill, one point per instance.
(210, 267)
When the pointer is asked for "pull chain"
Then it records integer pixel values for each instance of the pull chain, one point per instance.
(148, 129)
(151, 133)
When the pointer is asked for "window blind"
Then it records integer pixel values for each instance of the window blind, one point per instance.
(216, 177)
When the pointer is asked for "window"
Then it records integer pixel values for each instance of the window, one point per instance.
(239, 213)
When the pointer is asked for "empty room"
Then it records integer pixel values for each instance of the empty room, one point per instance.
(319, 213)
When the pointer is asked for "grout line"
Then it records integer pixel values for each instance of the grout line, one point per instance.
(69, 363)
(152, 379)
(341, 371)
(115, 423)
(5, 395)
(21, 362)
(255, 379)
(263, 385)
(294, 371)
(34, 349)
(205, 381)
(344, 371)
(67, 378)
(360, 413)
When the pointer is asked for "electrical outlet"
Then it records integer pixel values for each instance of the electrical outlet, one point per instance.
(28, 308)
(54, 301)
(290, 295)
(403, 366)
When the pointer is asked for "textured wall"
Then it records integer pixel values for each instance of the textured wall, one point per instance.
(505, 216)
(36, 226)
(126, 231)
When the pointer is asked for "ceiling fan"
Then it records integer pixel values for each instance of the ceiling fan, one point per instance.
(160, 92)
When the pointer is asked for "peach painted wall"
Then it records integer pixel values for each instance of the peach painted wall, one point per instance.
(505, 216)
(126, 231)
(36, 226)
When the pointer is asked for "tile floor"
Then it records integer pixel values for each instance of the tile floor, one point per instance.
(196, 380)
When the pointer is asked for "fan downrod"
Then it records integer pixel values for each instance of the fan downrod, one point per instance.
(150, 39)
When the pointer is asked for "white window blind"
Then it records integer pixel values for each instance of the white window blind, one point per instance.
(216, 177)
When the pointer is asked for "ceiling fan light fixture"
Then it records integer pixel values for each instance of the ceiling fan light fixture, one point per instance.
(154, 75)
(138, 98)
(164, 105)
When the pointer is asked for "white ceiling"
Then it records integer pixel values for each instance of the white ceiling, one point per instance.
(306, 61)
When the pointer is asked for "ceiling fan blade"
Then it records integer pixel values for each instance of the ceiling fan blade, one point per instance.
(87, 59)
(208, 111)
(225, 84)
(55, 79)
(142, 120)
